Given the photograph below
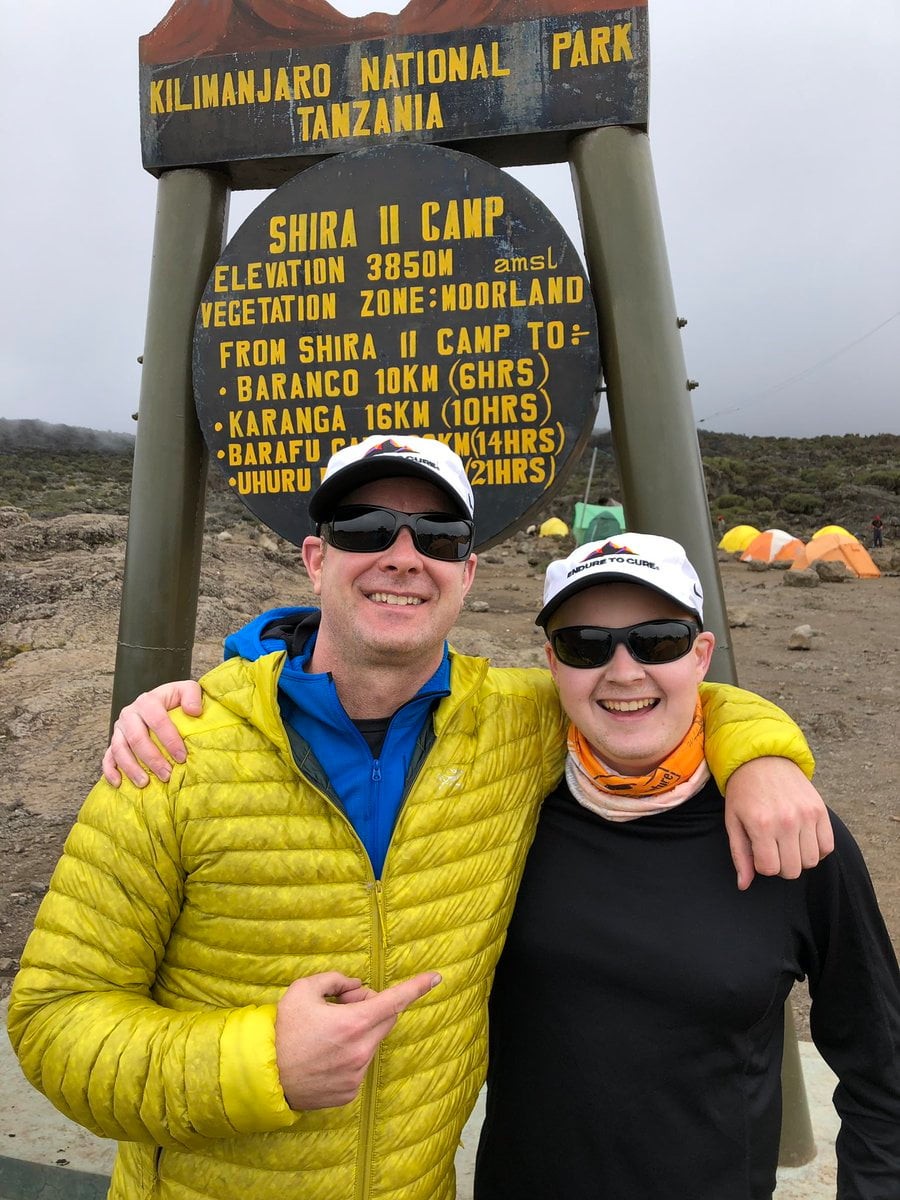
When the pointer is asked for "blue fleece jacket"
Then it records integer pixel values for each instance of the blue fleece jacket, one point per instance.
(370, 789)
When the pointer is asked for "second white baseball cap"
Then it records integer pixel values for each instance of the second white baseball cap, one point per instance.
(656, 562)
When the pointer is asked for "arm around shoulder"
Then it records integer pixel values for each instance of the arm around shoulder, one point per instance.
(740, 726)
(144, 733)
(777, 822)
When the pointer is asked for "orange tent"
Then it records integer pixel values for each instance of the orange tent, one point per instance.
(773, 545)
(836, 547)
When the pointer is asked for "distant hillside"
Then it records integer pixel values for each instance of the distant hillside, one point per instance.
(798, 484)
(50, 470)
(65, 439)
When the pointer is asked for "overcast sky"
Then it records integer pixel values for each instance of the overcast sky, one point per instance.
(775, 132)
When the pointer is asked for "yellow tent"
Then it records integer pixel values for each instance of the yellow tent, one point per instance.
(738, 537)
(836, 547)
(553, 527)
(834, 529)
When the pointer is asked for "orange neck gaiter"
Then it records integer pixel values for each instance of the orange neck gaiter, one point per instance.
(678, 776)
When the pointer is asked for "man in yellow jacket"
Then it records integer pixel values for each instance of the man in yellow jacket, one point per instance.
(266, 975)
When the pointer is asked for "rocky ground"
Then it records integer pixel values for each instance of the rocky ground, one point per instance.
(59, 597)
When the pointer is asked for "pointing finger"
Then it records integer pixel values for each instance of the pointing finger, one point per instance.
(386, 1006)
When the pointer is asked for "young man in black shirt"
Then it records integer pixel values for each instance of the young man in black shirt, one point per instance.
(637, 1010)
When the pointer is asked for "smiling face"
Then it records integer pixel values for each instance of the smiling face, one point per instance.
(391, 608)
(633, 714)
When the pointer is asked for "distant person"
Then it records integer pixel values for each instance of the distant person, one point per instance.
(636, 1018)
(877, 531)
(267, 975)
(720, 527)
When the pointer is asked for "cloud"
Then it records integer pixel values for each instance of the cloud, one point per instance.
(774, 134)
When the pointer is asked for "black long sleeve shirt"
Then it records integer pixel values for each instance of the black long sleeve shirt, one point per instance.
(637, 1015)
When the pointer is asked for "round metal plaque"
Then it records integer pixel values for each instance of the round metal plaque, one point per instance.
(399, 290)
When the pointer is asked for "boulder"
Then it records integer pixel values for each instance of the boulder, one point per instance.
(801, 638)
(10, 515)
(739, 618)
(74, 531)
(832, 572)
(885, 558)
(800, 579)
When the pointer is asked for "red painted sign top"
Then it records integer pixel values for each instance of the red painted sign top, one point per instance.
(226, 26)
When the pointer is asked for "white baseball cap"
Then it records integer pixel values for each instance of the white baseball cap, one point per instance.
(382, 457)
(656, 562)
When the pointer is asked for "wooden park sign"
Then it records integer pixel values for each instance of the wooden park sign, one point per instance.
(257, 89)
(391, 284)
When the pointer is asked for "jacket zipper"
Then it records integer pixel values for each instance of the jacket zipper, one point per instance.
(370, 1083)
(410, 781)
(379, 949)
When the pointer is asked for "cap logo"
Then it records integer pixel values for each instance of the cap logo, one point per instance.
(612, 553)
(389, 446)
(608, 548)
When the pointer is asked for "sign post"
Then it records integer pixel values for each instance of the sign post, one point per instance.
(165, 525)
(650, 412)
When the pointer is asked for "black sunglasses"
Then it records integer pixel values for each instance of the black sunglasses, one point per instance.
(367, 529)
(650, 642)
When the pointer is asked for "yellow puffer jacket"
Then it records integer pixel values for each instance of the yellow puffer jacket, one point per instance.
(178, 915)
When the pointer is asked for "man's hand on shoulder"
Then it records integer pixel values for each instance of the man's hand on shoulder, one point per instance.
(776, 820)
(131, 740)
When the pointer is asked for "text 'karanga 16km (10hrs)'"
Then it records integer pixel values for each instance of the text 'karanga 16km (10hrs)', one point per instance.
(439, 298)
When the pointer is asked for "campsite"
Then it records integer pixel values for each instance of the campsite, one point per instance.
(777, 548)
(774, 547)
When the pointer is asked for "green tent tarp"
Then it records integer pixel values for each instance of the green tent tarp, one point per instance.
(592, 522)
